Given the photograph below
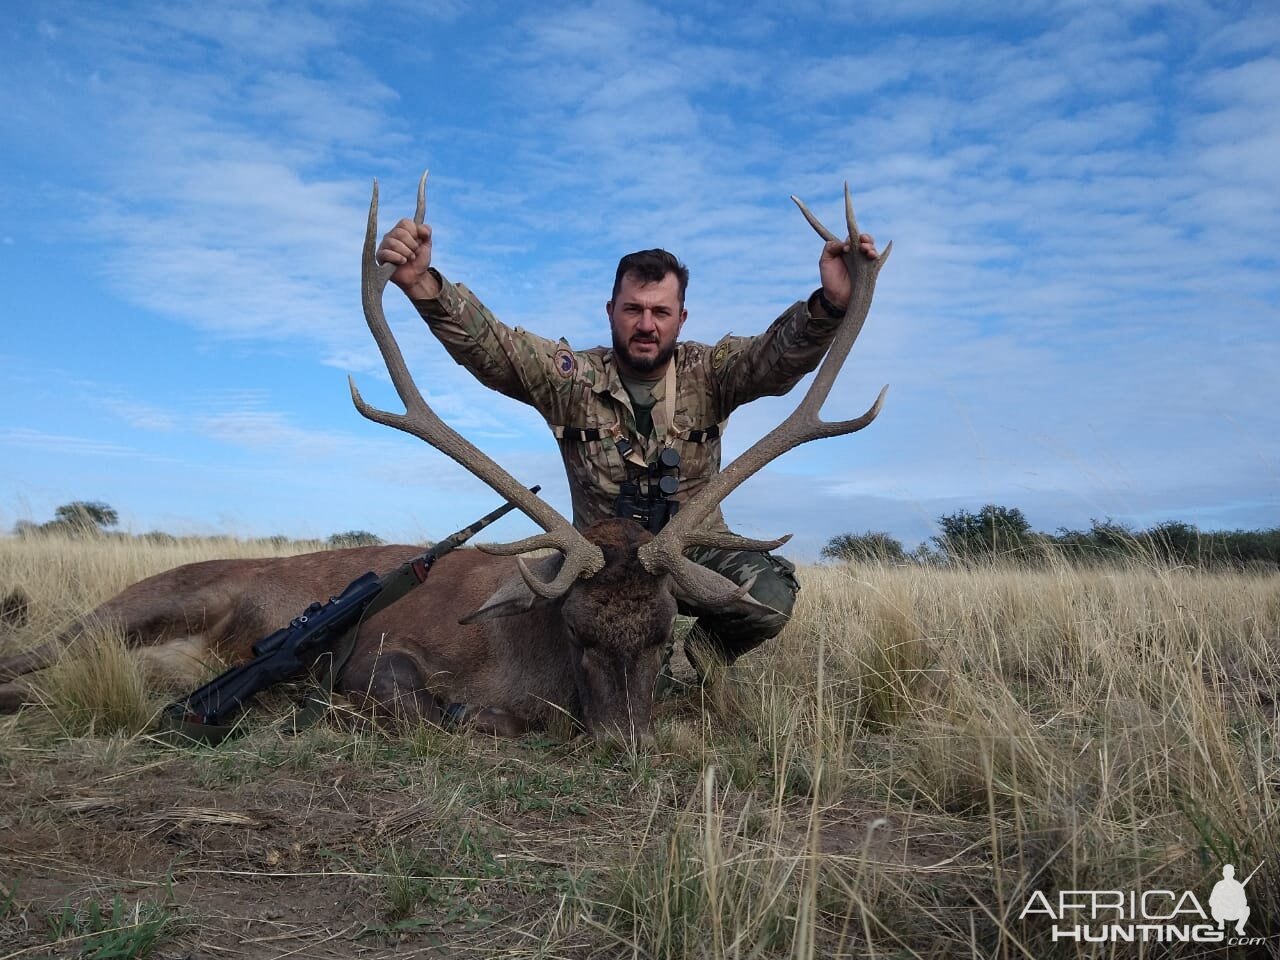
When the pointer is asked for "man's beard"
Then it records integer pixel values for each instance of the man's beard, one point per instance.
(642, 364)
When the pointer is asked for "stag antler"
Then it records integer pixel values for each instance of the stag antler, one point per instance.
(666, 550)
(582, 557)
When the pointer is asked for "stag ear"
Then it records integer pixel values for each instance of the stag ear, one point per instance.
(513, 595)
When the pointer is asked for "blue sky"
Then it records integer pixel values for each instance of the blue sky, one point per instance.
(1079, 318)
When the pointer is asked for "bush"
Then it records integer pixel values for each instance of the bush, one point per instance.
(354, 538)
(874, 546)
(992, 531)
(84, 516)
(76, 519)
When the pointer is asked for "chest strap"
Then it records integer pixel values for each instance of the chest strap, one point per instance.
(592, 434)
(581, 434)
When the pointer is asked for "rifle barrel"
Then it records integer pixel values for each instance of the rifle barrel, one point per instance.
(466, 533)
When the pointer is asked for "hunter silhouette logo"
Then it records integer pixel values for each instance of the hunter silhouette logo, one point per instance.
(1148, 916)
(1228, 901)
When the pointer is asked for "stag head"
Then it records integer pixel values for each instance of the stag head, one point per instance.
(611, 590)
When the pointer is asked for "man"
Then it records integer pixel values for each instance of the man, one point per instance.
(615, 411)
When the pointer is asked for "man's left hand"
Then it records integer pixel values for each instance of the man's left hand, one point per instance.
(836, 285)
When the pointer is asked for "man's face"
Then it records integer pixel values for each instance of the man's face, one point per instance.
(645, 319)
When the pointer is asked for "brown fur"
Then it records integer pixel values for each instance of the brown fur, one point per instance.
(593, 654)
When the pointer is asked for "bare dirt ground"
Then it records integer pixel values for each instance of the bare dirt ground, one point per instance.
(334, 844)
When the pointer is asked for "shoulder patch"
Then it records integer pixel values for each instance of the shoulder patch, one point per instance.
(565, 362)
(720, 354)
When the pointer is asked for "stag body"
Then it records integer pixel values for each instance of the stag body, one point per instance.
(517, 661)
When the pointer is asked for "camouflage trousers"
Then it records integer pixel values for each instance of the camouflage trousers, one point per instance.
(730, 633)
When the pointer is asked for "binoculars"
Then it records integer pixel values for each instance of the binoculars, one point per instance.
(653, 508)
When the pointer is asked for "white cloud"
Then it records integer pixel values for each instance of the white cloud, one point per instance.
(62, 443)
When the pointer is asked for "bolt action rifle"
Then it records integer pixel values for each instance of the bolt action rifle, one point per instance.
(208, 714)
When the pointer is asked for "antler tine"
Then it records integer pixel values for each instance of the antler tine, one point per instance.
(665, 551)
(813, 221)
(582, 558)
(549, 590)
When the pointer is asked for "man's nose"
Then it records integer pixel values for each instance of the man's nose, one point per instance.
(646, 321)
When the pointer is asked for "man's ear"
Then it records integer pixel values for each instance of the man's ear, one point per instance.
(608, 309)
(684, 315)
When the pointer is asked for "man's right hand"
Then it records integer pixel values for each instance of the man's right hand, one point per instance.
(408, 244)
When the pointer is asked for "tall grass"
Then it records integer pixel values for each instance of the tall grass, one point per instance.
(101, 690)
(939, 743)
(67, 576)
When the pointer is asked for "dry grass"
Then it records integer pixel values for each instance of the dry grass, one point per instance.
(892, 777)
(66, 576)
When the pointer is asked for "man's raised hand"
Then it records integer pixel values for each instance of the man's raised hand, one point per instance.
(836, 285)
(408, 244)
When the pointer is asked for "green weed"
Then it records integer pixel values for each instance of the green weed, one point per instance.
(110, 932)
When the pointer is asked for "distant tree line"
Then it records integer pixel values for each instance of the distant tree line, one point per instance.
(992, 533)
(93, 518)
(1003, 533)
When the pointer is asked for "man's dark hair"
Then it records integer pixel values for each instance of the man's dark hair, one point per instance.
(650, 266)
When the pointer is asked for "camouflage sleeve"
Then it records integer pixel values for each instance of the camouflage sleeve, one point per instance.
(773, 362)
(507, 359)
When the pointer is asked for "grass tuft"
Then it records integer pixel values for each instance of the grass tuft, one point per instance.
(99, 689)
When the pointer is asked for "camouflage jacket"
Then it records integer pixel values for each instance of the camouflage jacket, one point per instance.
(580, 395)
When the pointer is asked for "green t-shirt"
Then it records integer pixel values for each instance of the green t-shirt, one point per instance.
(642, 401)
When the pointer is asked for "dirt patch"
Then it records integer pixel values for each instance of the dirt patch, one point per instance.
(263, 854)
